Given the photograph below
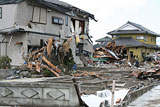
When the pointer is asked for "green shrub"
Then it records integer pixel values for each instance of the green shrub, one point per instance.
(5, 62)
(69, 60)
(47, 73)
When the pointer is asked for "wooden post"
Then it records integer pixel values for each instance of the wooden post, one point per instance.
(128, 54)
(113, 89)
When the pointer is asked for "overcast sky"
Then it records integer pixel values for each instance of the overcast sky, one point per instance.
(112, 14)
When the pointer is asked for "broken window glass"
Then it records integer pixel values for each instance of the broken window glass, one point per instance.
(0, 12)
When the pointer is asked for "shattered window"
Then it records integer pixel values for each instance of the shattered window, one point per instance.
(0, 12)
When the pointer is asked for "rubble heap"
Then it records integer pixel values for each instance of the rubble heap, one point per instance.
(108, 52)
(51, 57)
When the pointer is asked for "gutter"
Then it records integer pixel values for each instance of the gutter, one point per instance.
(22, 30)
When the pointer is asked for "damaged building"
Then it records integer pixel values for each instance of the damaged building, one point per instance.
(26, 24)
(139, 40)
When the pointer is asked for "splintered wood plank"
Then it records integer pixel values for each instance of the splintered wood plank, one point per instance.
(49, 46)
(50, 64)
(51, 70)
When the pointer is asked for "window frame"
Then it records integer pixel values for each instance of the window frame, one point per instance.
(0, 12)
(140, 37)
(66, 20)
(145, 38)
(60, 20)
(39, 21)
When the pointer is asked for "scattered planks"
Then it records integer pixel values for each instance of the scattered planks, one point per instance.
(36, 57)
(85, 73)
(39, 58)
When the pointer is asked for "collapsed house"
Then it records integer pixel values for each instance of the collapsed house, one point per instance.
(25, 25)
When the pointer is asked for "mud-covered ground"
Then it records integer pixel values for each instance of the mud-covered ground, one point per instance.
(108, 73)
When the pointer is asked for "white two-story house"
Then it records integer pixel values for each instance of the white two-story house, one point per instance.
(26, 24)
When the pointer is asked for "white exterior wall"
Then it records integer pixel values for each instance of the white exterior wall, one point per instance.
(8, 16)
(25, 13)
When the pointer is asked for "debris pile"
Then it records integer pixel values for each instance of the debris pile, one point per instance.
(108, 53)
(145, 74)
(53, 57)
(153, 60)
(153, 57)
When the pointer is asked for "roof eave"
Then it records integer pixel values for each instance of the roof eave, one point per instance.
(16, 2)
(119, 33)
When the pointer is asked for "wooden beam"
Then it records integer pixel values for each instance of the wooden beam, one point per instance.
(50, 64)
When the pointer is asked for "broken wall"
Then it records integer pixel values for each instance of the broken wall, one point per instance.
(137, 52)
(16, 48)
(35, 39)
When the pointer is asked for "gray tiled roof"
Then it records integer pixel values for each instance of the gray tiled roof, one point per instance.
(127, 41)
(104, 39)
(97, 46)
(130, 42)
(151, 46)
(9, 1)
(142, 30)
